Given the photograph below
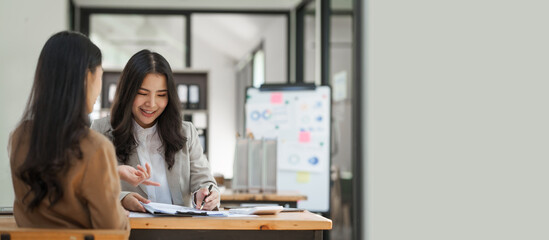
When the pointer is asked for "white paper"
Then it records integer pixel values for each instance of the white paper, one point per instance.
(173, 209)
(263, 210)
(140, 215)
(241, 215)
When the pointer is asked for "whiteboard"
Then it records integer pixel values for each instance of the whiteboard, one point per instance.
(300, 121)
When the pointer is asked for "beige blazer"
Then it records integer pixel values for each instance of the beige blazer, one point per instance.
(190, 172)
(90, 188)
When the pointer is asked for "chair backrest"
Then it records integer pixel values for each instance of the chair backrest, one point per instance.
(69, 234)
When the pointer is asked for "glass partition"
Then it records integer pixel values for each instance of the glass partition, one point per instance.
(119, 36)
(341, 79)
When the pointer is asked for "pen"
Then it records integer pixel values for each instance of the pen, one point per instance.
(209, 193)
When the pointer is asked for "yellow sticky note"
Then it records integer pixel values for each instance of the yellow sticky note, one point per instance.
(303, 177)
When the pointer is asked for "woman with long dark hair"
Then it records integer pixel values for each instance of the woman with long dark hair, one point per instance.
(146, 127)
(64, 175)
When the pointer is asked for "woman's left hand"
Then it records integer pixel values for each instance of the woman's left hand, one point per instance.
(211, 201)
(136, 176)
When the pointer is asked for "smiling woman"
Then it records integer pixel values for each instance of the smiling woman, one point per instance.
(151, 99)
(146, 127)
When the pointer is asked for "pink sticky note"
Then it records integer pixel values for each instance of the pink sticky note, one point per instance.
(304, 137)
(276, 98)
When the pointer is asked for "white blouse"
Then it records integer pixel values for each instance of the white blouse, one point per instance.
(150, 150)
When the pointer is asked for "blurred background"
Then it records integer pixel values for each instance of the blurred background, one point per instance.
(439, 128)
(226, 47)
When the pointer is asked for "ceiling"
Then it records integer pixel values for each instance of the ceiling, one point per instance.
(239, 32)
(233, 35)
(237, 5)
(192, 4)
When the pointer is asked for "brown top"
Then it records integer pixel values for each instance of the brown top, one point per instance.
(91, 187)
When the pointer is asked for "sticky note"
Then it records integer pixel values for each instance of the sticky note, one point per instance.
(276, 98)
(304, 137)
(303, 177)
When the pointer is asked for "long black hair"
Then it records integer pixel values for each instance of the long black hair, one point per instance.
(56, 114)
(168, 123)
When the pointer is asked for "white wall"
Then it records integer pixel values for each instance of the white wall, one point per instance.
(211, 54)
(274, 37)
(221, 100)
(309, 48)
(24, 28)
(275, 45)
(456, 123)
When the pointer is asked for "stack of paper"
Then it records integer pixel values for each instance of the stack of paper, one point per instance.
(175, 210)
(261, 210)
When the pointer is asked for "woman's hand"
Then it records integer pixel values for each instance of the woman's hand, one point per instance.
(136, 176)
(211, 201)
(132, 202)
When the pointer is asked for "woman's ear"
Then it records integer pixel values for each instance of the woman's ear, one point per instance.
(93, 86)
(89, 79)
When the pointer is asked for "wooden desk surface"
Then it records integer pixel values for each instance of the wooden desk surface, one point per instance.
(282, 221)
(280, 196)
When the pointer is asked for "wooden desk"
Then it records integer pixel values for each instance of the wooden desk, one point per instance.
(7, 222)
(284, 198)
(9, 230)
(287, 225)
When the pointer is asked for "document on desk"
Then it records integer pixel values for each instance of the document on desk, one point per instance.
(163, 209)
(259, 210)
